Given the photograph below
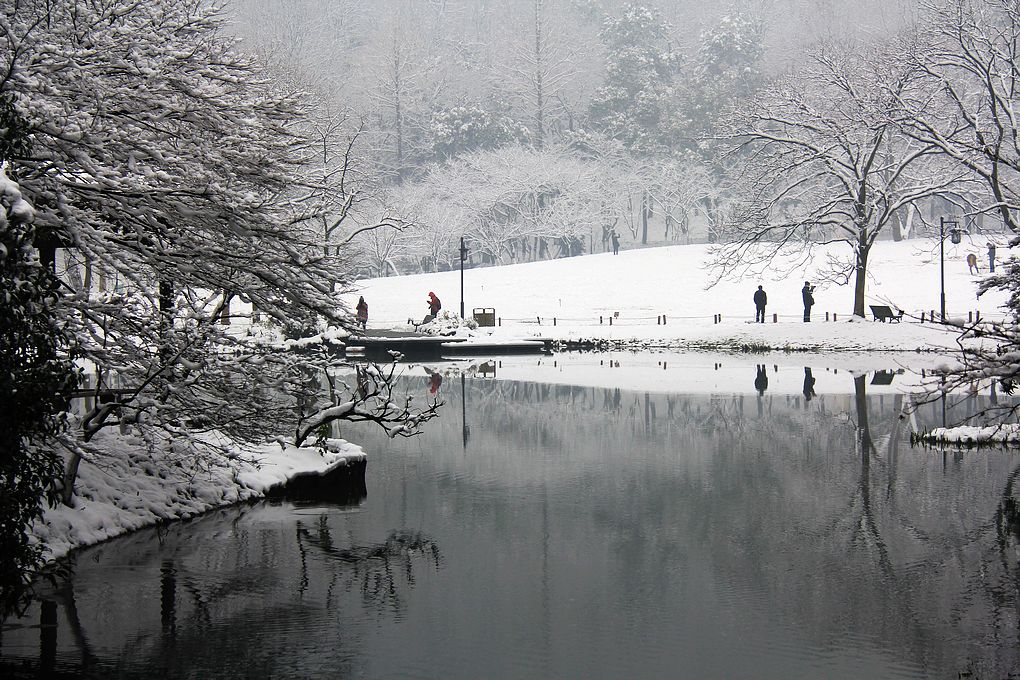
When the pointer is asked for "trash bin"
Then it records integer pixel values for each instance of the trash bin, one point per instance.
(484, 316)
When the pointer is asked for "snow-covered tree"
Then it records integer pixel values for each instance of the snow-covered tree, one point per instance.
(543, 71)
(825, 162)
(463, 128)
(636, 103)
(726, 69)
(969, 58)
(517, 203)
(168, 160)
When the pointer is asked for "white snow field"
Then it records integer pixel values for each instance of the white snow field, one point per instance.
(641, 285)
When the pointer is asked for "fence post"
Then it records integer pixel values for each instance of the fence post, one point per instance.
(500, 322)
(554, 321)
(970, 316)
(775, 318)
(826, 316)
(610, 321)
(922, 316)
(663, 322)
(977, 316)
(600, 319)
(834, 316)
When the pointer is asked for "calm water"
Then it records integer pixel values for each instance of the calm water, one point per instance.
(542, 530)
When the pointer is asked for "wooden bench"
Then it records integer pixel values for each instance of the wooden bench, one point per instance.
(883, 313)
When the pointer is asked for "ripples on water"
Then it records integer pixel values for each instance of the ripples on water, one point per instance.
(566, 524)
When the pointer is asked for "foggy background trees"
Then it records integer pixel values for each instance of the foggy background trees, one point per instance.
(629, 92)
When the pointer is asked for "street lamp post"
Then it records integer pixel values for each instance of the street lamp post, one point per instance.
(954, 234)
(463, 255)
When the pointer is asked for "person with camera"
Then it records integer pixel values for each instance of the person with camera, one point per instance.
(809, 299)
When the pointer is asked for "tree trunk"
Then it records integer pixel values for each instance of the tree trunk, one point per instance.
(861, 280)
(863, 427)
(166, 311)
(70, 474)
(644, 218)
(539, 85)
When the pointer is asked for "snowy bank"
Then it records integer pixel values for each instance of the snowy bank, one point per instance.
(966, 435)
(127, 487)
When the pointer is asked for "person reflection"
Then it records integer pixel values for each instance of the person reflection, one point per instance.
(809, 385)
(435, 380)
(761, 380)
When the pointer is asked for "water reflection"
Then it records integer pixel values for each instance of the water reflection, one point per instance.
(809, 385)
(761, 379)
(592, 531)
(234, 594)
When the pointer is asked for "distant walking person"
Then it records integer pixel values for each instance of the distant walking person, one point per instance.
(760, 300)
(991, 257)
(807, 292)
(616, 242)
(761, 379)
(972, 265)
(362, 312)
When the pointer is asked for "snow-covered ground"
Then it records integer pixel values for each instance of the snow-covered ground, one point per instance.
(643, 285)
(126, 487)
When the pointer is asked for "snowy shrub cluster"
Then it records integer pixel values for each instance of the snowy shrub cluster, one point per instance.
(35, 378)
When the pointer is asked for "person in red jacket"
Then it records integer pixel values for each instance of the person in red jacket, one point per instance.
(434, 304)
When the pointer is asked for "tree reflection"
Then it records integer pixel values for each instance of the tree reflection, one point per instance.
(378, 570)
(810, 500)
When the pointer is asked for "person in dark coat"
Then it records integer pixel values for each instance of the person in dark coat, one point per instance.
(760, 300)
(761, 379)
(991, 257)
(807, 292)
(362, 312)
(616, 242)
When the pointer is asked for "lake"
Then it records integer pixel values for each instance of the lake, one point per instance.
(626, 515)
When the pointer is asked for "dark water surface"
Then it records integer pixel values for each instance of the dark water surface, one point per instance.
(542, 530)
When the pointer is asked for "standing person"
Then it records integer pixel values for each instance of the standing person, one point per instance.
(807, 292)
(434, 306)
(362, 312)
(991, 257)
(616, 242)
(760, 300)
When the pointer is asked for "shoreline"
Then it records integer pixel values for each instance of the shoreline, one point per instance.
(128, 485)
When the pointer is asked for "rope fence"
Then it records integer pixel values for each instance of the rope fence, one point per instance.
(615, 319)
